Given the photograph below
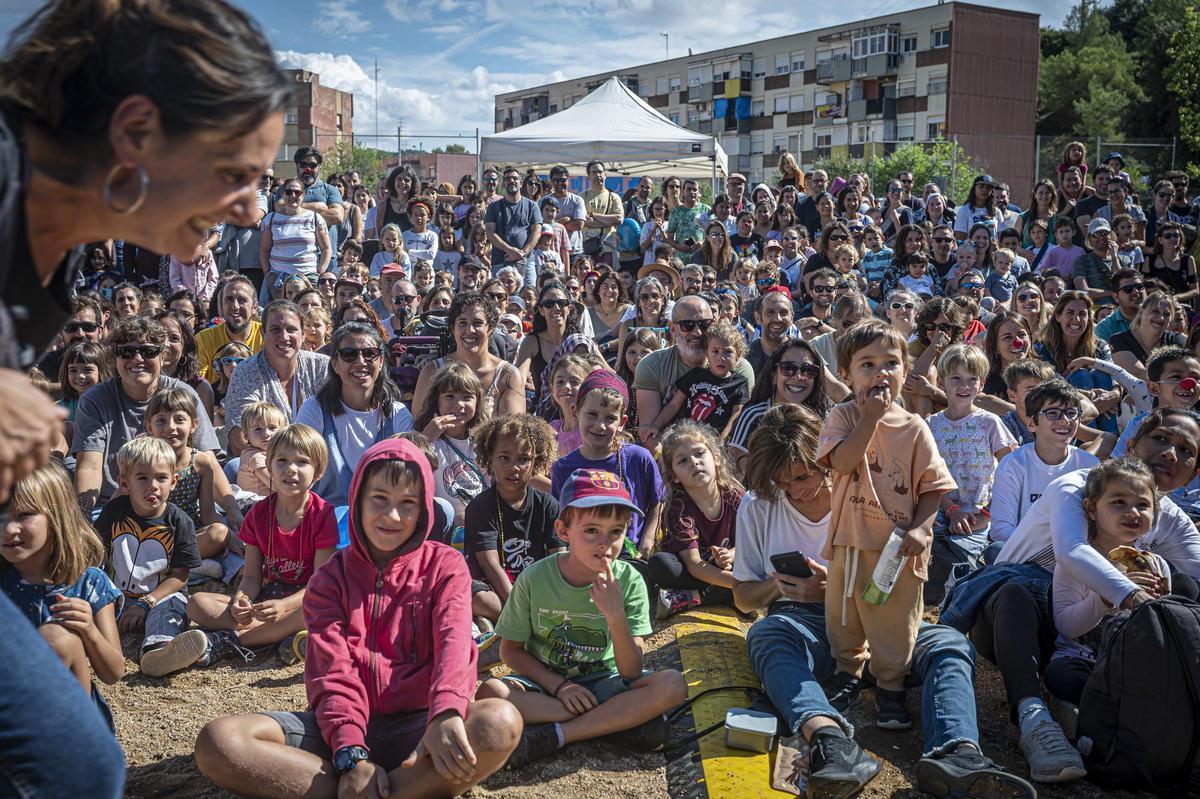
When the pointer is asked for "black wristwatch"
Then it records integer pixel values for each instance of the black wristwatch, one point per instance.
(348, 757)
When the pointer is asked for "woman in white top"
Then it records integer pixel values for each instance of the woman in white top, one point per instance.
(472, 320)
(358, 406)
(295, 240)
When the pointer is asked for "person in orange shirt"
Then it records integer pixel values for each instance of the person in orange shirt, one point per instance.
(888, 480)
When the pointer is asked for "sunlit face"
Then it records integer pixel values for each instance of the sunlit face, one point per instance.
(800, 484)
(876, 366)
(634, 354)
(174, 427)
(722, 357)
(1123, 512)
(149, 485)
(126, 303)
(292, 473)
(362, 372)
(565, 386)
(283, 335)
(693, 464)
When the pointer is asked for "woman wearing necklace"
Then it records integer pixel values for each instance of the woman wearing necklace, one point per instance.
(610, 302)
(553, 321)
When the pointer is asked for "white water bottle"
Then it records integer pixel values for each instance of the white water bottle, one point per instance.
(887, 570)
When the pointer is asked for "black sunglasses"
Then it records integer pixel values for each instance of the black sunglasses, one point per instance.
(946, 327)
(838, 237)
(692, 325)
(552, 304)
(86, 327)
(350, 354)
(943, 239)
(293, 193)
(405, 298)
(1133, 287)
(791, 368)
(823, 289)
(130, 351)
(309, 164)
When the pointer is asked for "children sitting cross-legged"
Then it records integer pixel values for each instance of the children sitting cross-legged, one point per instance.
(572, 630)
(288, 536)
(600, 407)
(1053, 409)
(695, 565)
(48, 569)
(888, 481)
(151, 546)
(390, 669)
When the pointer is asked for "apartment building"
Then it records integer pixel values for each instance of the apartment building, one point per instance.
(952, 69)
(318, 116)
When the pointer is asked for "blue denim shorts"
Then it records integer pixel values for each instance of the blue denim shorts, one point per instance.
(604, 685)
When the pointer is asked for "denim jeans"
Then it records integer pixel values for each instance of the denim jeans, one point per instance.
(53, 743)
(165, 621)
(790, 654)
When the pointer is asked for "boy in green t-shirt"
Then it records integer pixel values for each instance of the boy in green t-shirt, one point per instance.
(572, 630)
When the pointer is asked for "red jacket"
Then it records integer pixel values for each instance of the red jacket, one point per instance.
(392, 639)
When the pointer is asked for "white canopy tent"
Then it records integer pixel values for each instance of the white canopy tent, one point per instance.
(613, 125)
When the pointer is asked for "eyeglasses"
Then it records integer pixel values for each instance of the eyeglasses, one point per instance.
(1056, 414)
(947, 328)
(1101, 234)
(943, 239)
(351, 354)
(692, 325)
(86, 327)
(906, 181)
(656, 297)
(128, 352)
(405, 299)
(905, 306)
(229, 360)
(292, 193)
(1027, 297)
(764, 282)
(309, 165)
(823, 289)
(183, 314)
(552, 304)
(498, 296)
(894, 190)
(791, 369)
(971, 286)
(1165, 195)
(1132, 288)
(327, 281)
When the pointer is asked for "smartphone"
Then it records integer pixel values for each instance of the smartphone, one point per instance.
(793, 564)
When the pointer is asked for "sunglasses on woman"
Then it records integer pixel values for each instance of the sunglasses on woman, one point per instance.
(128, 352)
(903, 306)
(351, 354)
(230, 360)
(791, 369)
(553, 304)
(765, 282)
(1027, 297)
(1170, 234)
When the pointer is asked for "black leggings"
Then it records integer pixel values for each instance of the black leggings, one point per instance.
(1014, 633)
(666, 570)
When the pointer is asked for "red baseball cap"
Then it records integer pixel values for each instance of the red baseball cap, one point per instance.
(784, 290)
(592, 488)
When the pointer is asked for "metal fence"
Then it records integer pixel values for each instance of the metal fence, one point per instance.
(1146, 160)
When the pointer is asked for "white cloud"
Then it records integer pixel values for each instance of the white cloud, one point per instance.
(341, 17)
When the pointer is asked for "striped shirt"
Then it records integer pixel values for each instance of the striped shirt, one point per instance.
(294, 241)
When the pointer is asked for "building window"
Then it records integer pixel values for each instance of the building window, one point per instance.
(798, 61)
(781, 104)
(796, 103)
(783, 64)
(936, 86)
(823, 143)
(906, 88)
(632, 83)
(756, 145)
(860, 134)
(941, 38)
(757, 108)
(674, 83)
(291, 119)
(760, 67)
(906, 131)
(675, 118)
(693, 76)
(873, 41)
(660, 86)
(693, 119)
(908, 44)
(935, 130)
(553, 108)
(779, 142)
(794, 143)
(339, 122)
(744, 67)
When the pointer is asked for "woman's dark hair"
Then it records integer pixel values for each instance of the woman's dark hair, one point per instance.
(955, 314)
(899, 252)
(197, 307)
(358, 304)
(465, 299)
(985, 260)
(205, 64)
(991, 344)
(836, 225)
(385, 392)
(1163, 228)
(84, 352)
(764, 382)
(296, 300)
(188, 368)
(786, 437)
(604, 273)
(539, 321)
(989, 204)
(845, 192)
(433, 292)
(414, 181)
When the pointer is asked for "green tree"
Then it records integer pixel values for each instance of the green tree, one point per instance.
(348, 155)
(1090, 84)
(941, 162)
(452, 149)
(1182, 77)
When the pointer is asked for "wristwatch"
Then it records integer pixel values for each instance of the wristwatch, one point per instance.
(348, 757)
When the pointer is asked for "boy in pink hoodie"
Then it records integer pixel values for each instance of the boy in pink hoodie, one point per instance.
(390, 670)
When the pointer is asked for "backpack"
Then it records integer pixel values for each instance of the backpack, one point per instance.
(1141, 704)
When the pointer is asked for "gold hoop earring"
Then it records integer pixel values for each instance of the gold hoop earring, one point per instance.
(143, 189)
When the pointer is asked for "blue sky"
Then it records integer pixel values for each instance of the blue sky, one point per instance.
(442, 61)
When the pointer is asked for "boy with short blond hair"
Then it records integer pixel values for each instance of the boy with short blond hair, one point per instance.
(150, 546)
(572, 633)
(888, 478)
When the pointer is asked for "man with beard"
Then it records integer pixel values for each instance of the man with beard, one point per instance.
(806, 209)
(823, 285)
(85, 324)
(773, 314)
(638, 207)
(735, 187)
(470, 272)
(572, 211)
(238, 308)
(942, 256)
(1130, 291)
(319, 196)
(513, 223)
(656, 374)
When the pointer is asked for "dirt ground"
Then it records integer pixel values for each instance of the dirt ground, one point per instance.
(158, 719)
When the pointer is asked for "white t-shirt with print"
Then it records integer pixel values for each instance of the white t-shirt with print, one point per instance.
(1021, 478)
(968, 446)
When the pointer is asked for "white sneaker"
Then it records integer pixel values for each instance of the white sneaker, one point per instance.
(209, 568)
(177, 654)
(1050, 756)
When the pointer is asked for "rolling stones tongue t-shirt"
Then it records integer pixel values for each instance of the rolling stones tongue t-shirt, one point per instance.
(560, 625)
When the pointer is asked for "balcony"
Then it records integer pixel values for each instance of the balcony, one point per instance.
(875, 66)
(864, 109)
(835, 71)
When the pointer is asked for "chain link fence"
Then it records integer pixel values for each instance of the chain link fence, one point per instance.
(1146, 160)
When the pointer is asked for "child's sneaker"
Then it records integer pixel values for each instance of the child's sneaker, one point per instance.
(175, 655)
(675, 600)
(843, 691)
(221, 644)
(890, 710)
(647, 737)
(488, 645)
(294, 648)
(537, 741)
(209, 569)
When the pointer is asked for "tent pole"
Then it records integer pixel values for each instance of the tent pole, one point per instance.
(478, 160)
(714, 167)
